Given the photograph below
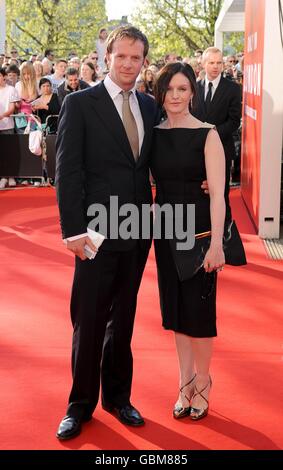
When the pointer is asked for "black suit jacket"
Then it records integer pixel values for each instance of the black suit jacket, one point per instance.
(224, 112)
(95, 160)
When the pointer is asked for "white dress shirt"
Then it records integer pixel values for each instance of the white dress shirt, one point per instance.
(215, 84)
(115, 94)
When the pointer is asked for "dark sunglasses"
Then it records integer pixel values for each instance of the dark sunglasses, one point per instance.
(94, 58)
(208, 284)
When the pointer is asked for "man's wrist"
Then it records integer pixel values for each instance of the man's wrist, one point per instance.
(75, 237)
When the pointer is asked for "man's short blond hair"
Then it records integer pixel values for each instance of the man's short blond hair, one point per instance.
(210, 50)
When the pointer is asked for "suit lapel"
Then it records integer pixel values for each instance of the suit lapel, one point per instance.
(107, 112)
(201, 96)
(218, 93)
(147, 122)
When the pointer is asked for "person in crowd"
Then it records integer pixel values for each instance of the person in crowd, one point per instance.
(88, 74)
(8, 98)
(117, 122)
(47, 62)
(58, 77)
(170, 58)
(93, 58)
(38, 68)
(160, 63)
(100, 45)
(154, 69)
(228, 68)
(27, 90)
(33, 58)
(149, 79)
(14, 62)
(2, 60)
(186, 151)
(238, 77)
(198, 54)
(15, 54)
(75, 63)
(240, 62)
(193, 62)
(46, 105)
(71, 83)
(13, 75)
(140, 86)
(39, 57)
(218, 102)
(6, 61)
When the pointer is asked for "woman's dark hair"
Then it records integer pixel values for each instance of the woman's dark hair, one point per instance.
(165, 76)
(3, 71)
(13, 69)
(91, 66)
(44, 80)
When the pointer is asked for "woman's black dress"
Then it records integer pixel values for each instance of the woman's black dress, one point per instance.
(53, 108)
(178, 168)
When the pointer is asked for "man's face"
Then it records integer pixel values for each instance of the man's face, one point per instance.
(60, 68)
(231, 61)
(73, 81)
(103, 35)
(13, 78)
(171, 59)
(213, 65)
(125, 62)
(75, 63)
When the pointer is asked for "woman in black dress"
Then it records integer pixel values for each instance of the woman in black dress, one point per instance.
(46, 105)
(185, 152)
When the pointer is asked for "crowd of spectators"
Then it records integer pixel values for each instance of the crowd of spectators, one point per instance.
(39, 85)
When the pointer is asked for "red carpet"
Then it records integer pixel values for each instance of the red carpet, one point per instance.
(36, 274)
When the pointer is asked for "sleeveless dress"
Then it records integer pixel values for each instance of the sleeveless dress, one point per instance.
(178, 168)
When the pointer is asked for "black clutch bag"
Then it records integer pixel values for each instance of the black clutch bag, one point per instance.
(189, 262)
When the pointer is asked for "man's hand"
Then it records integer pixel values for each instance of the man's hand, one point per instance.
(204, 186)
(77, 247)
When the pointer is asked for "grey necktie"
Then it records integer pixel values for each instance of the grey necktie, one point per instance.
(130, 124)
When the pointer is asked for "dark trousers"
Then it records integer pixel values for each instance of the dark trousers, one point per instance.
(103, 306)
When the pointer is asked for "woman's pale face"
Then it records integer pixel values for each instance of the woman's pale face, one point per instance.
(149, 75)
(26, 75)
(178, 95)
(38, 70)
(86, 72)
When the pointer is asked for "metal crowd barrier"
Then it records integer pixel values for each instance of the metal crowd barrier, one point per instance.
(17, 160)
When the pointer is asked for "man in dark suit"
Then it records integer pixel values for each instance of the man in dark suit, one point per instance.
(71, 83)
(218, 102)
(102, 151)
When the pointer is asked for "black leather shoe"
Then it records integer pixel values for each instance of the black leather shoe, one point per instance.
(70, 427)
(126, 414)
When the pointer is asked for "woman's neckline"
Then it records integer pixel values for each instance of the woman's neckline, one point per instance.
(182, 128)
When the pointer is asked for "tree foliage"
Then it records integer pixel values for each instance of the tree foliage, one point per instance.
(181, 26)
(233, 42)
(61, 25)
